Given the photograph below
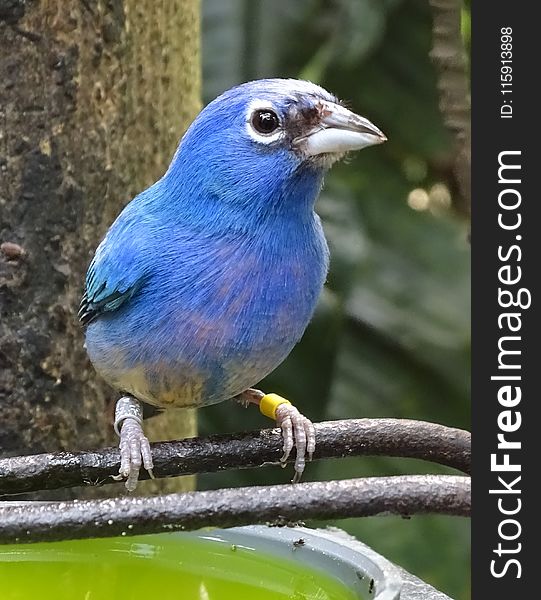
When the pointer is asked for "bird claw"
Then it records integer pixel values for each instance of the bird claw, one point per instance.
(134, 451)
(297, 431)
(134, 445)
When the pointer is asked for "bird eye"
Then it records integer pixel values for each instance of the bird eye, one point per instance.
(265, 121)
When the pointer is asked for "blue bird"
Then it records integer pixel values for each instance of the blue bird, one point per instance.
(208, 278)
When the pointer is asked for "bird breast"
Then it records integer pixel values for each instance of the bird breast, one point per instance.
(213, 319)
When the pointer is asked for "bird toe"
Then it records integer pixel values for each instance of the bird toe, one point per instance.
(134, 445)
(298, 432)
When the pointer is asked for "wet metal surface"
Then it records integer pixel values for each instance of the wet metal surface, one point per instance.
(403, 495)
(335, 439)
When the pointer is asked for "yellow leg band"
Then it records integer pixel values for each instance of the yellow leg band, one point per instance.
(269, 403)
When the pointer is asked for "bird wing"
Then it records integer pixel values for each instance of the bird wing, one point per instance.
(115, 274)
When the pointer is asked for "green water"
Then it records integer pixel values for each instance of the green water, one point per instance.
(157, 567)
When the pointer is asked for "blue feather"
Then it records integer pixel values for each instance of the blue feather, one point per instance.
(114, 275)
(207, 279)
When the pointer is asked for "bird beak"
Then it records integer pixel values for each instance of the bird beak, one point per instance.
(339, 130)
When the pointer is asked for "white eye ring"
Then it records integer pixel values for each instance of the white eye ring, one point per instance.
(262, 138)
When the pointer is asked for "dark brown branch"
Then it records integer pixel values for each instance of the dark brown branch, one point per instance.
(449, 58)
(402, 495)
(335, 439)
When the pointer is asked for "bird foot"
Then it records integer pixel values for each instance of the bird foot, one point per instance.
(134, 445)
(298, 431)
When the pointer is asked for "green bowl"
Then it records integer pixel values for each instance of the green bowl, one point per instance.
(256, 563)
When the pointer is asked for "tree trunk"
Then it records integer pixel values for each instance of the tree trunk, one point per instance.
(449, 58)
(94, 95)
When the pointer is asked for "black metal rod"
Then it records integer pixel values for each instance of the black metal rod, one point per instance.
(335, 439)
(401, 495)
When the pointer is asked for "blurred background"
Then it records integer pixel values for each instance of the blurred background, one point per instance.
(391, 337)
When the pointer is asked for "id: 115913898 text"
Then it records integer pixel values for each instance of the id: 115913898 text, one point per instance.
(506, 72)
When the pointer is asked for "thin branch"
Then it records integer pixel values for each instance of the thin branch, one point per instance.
(401, 495)
(335, 439)
(449, 58)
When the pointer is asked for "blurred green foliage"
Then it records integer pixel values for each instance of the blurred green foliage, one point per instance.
(391, 337)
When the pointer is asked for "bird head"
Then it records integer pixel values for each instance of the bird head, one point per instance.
(268, 142)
